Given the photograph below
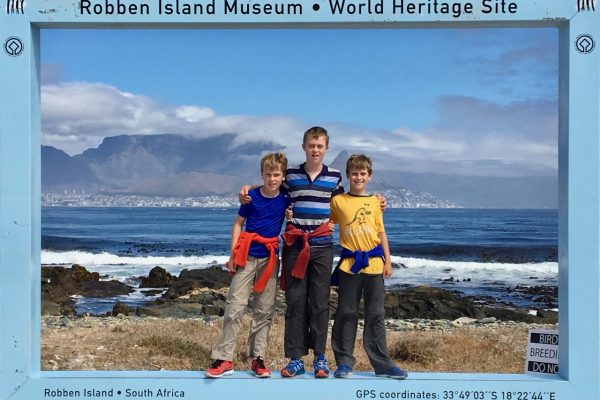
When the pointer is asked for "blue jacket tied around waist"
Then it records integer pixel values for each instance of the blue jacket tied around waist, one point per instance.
(361, 260)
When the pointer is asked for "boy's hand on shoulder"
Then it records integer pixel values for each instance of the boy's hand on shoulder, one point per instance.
(387, 269)
(243, 196)
(331, 226)
(382, 202)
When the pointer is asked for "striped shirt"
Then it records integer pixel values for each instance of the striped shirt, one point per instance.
(310, 198)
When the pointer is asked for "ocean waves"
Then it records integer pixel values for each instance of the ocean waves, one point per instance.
(411, 270)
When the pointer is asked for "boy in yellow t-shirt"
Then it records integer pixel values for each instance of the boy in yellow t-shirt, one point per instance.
(364, 263)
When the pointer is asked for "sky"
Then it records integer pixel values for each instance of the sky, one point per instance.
(456, 101)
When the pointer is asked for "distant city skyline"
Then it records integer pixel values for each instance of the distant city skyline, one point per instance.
(459, 101)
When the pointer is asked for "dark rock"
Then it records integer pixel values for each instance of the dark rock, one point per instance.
(172, 309)
(152, 292)
(188, 280)
(434, 303)
(430, 303)
(80, 274)
(157, 278)
(105, 289)
(214, 309)
(121, 308)
(60, 283)
(507, 314)
(49, 308)
(547, 316)
(550, 301)
(538, 290)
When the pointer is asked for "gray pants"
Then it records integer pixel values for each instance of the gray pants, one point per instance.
(343, 336)
(262, 312)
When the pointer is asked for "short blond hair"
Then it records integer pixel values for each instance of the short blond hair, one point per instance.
(316, 132)
(273, 161)
(359, 161)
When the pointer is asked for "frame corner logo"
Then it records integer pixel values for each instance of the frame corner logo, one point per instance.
(13, 46)
(585, 43)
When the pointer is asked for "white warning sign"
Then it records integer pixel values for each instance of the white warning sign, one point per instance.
(542, 352)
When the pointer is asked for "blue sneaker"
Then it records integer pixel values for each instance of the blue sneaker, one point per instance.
(394, 373)
(294, 367)
(343, 371)
(320, 366)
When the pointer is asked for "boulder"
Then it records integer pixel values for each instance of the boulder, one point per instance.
(157, 278)
(121, 308)
(188, 280)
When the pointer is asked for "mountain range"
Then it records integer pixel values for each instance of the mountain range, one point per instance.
(176, 165)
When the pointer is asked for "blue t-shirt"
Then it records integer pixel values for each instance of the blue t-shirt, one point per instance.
(264, 216)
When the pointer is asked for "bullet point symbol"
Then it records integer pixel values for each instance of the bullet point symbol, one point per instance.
(316, 7)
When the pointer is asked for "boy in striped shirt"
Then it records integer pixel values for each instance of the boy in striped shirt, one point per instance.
(307, 254)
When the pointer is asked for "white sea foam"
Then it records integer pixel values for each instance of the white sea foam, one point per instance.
(86, 258)
(417, 270)
(112, 266)
(469, 266)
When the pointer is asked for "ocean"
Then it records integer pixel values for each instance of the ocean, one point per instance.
(476, 252)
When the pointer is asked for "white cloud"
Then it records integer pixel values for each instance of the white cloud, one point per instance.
(470, 136)
(78, 115)
(194, 113)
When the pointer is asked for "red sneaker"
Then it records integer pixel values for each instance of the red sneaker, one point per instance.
(259, 368)
(219, 368)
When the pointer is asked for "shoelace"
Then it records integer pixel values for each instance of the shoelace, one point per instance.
(321, 363)
(260, 363)
(216, 364)
(295, 365)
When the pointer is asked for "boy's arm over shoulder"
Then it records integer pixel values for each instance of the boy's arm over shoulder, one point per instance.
(243, 194)
(339, 188)
(382, 201)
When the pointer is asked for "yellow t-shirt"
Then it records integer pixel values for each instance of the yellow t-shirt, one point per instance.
(360, 221)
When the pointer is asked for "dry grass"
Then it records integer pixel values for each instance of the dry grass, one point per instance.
(154, 344)
(462, 350)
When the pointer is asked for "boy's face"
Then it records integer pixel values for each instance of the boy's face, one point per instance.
(272, 178)
(358, 178)
(315, 149)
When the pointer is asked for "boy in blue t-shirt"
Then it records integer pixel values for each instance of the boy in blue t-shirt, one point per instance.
(255, 264)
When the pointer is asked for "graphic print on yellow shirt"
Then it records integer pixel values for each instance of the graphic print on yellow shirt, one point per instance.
(360, 221)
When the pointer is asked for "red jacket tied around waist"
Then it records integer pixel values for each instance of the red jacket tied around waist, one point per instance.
(290, 236)
(240, 255)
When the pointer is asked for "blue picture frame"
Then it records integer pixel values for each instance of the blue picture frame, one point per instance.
(578, 24)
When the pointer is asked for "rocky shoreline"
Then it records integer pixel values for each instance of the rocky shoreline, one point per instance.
(201, 293)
